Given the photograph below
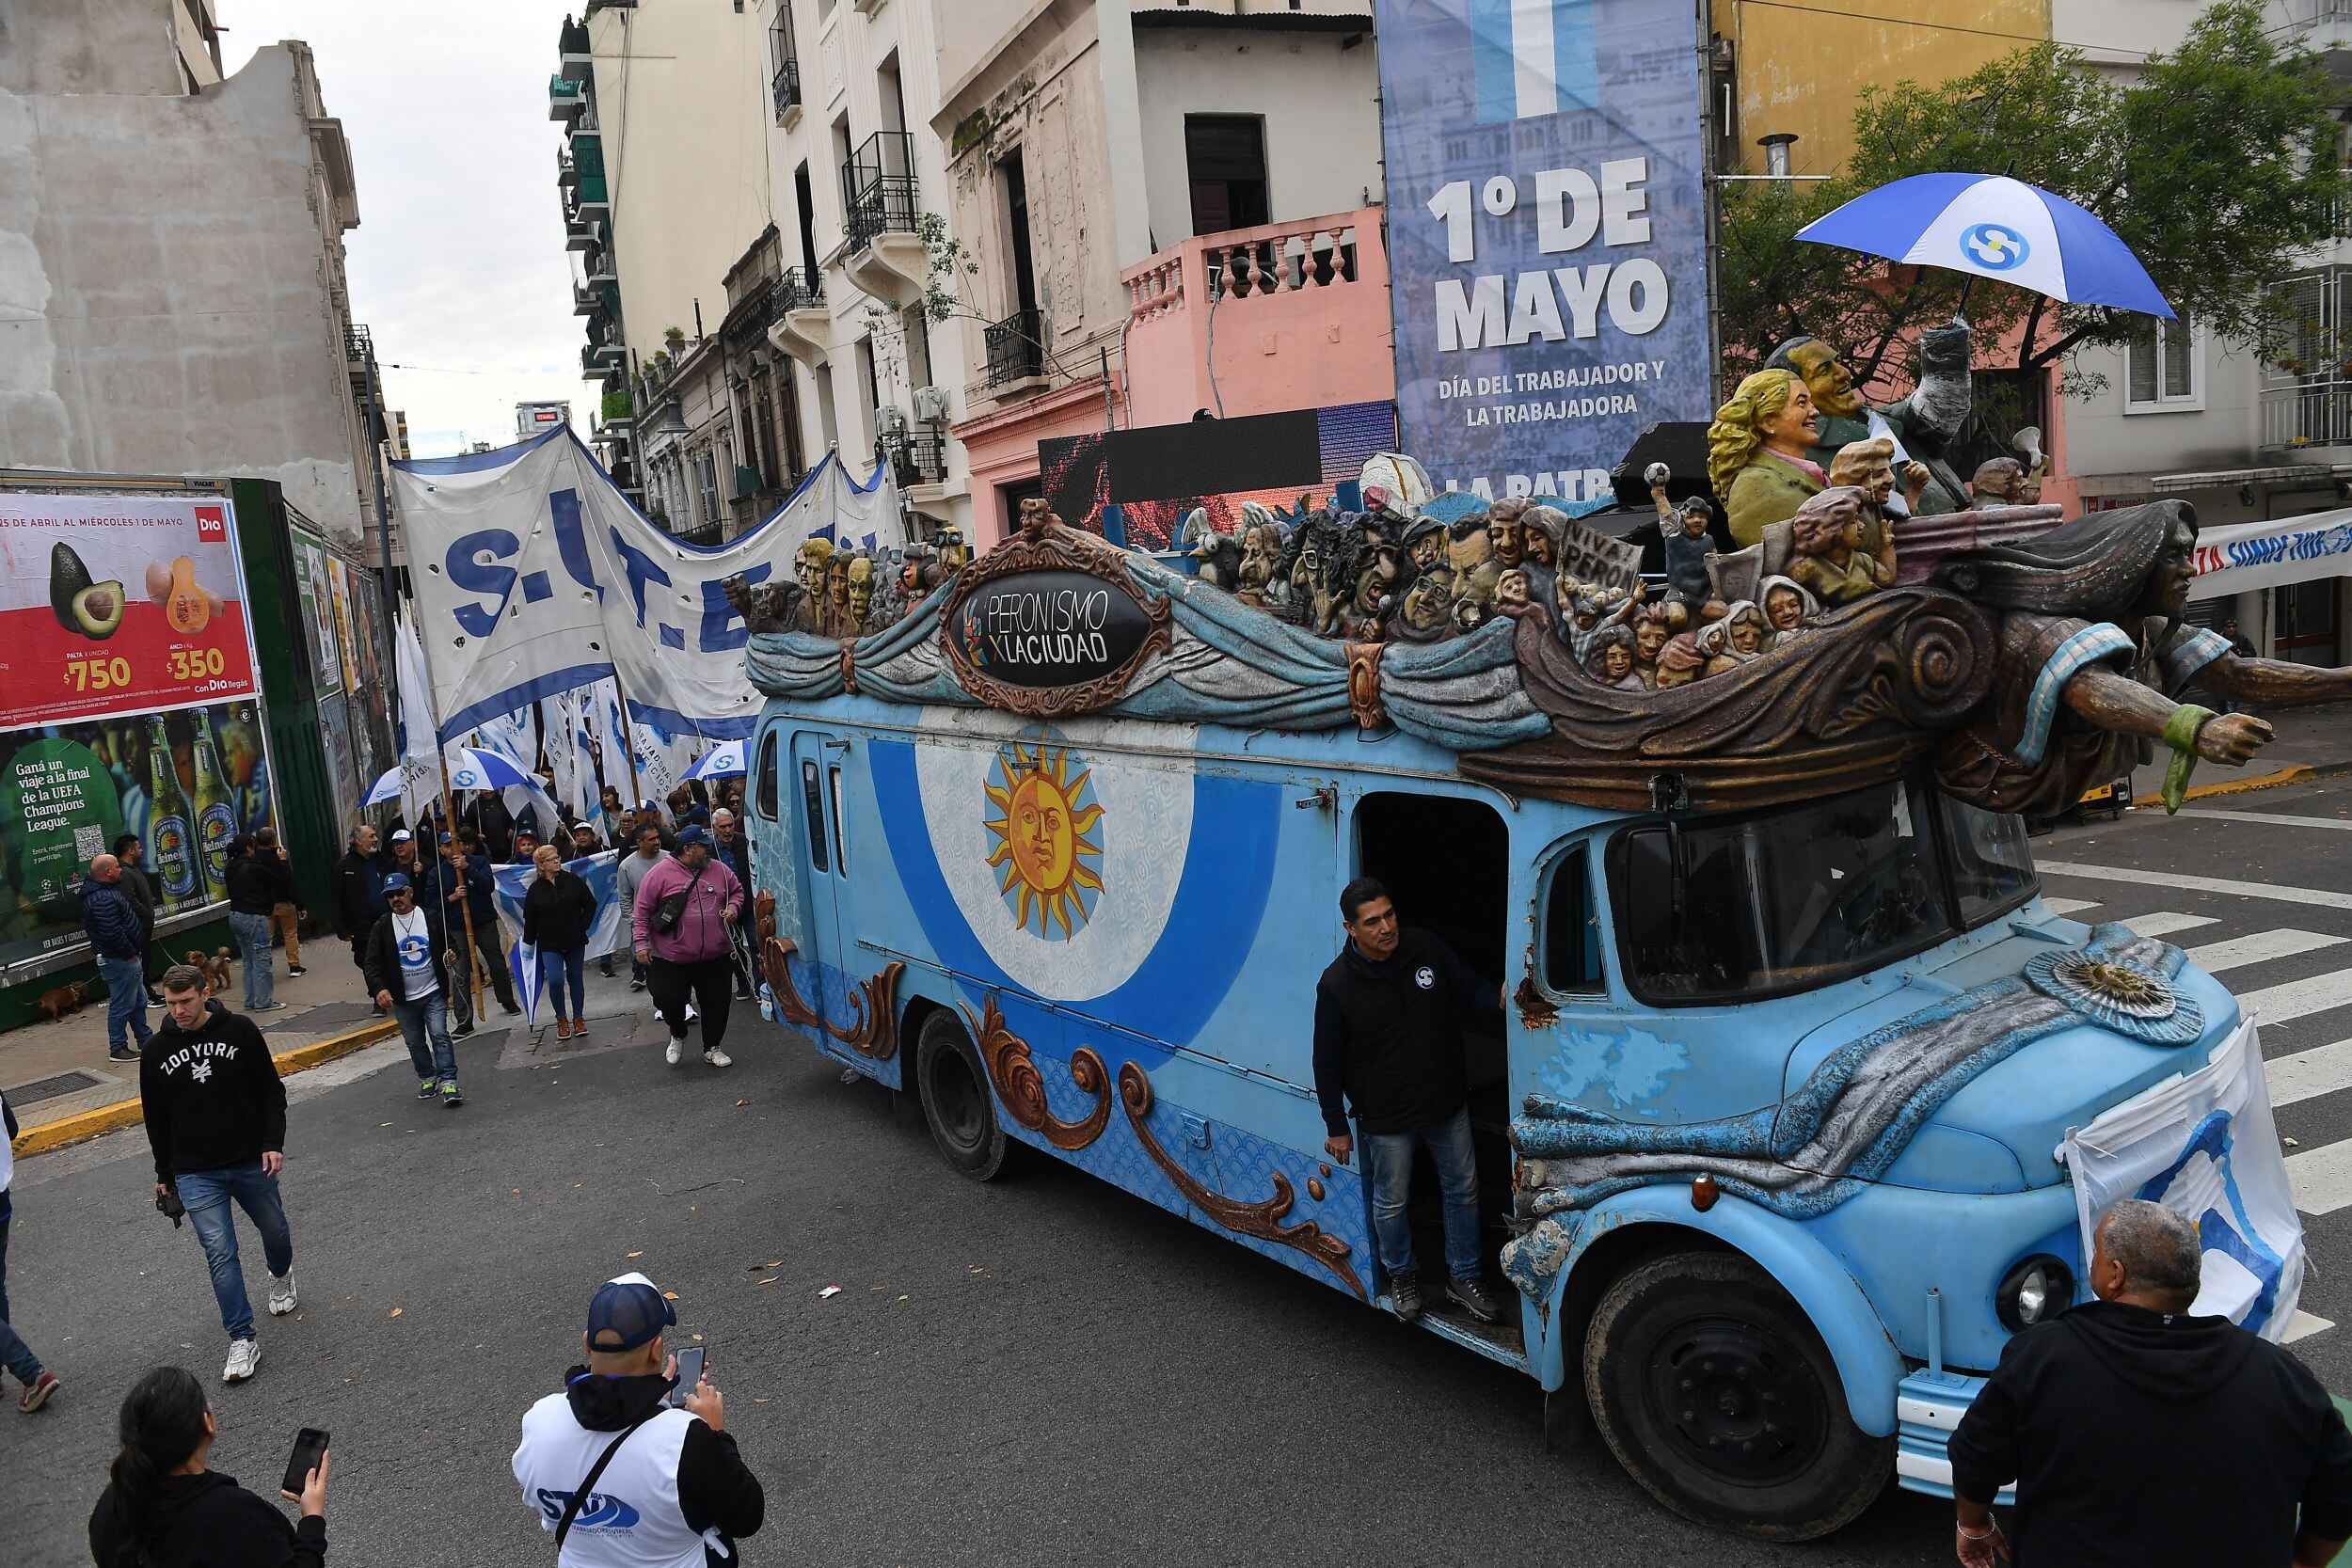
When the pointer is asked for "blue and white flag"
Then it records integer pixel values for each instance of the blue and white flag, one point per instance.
(2204, 1146)
(609, 934)
(522, 961)
(533, 576)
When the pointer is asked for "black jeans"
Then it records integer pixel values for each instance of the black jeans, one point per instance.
(713, 982)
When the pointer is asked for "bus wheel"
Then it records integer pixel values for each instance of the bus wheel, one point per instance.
(1718, 1396)
(956, 1098)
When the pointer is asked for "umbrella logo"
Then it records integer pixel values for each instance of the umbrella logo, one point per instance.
(464, 778)
(1995, 246)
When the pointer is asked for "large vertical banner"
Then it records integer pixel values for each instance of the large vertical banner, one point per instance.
(1547, 234)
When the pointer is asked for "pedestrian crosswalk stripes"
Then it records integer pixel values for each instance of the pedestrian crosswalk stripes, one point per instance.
(2163, 923)
(2283, 1003)
(2308, 1074)
(2304, 1324)
(2176, 882)
(2322, 1177)
(2260, 947)
(2275, 819)
(2067, 906)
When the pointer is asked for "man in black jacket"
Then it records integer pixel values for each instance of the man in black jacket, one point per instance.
(672, 1472)
(252, 897)
(138, 886)
(216, 1114)
(1388, 1043)
(356, 899)
(2140, 1436)
(407, 967)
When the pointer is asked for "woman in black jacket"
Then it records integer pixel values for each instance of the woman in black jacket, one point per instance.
(558, 914)
(164, 1508)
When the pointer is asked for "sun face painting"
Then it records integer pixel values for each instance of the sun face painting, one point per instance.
(1048, 848)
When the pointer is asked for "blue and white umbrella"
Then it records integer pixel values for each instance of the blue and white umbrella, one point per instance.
(387, 787)
(1997, 228)
(719, 762)
(472, 768)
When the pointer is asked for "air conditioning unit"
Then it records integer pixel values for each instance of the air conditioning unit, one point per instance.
(891, 419)
(930, 405)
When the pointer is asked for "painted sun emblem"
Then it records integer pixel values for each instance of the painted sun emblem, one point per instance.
(1048, 852)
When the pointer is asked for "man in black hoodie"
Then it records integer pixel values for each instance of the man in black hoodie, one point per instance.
(356, 900)
(2140, 1436)
(216, 1113)
(656, 1476)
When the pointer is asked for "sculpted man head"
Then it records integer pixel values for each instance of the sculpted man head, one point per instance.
(1825, 375)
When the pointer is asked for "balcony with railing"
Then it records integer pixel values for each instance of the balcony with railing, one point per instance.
(917, 454)
(1016, 352)
(878, 187)
(565, 97)
(2313, 413)
(799, 322)
(574, 54)
(786, 87)
(1310, 296)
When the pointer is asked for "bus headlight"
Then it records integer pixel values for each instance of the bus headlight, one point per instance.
(2034, 1289)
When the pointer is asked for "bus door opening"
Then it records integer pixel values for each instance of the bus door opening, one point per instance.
(1446, 862)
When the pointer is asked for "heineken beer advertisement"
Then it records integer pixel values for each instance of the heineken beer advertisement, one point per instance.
(111, 602)
(184, 783)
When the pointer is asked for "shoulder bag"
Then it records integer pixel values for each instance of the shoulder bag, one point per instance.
(667, 913)
(588, 1481)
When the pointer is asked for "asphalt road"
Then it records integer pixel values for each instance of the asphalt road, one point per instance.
(1044, 1370)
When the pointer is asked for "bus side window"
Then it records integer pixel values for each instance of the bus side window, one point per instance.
(1571, 926)
(813, 793)
(840, 827)
(765, 801)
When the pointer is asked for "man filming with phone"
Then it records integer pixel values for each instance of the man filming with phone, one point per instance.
(626, 1465)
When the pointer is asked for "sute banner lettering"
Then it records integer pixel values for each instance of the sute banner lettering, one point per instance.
(1548, 240)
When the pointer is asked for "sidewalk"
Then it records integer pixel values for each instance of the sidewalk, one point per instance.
(2316, 736)
(57, 1071)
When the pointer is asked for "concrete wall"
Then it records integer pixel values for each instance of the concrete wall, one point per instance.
(1797, 69)
(87, 47)
(681, 93)
(1320, 100)
(167, 293)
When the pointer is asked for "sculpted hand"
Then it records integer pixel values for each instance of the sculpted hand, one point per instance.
(1341, 1147)
(2233, 737)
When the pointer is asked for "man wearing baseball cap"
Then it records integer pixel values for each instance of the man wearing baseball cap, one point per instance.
(407, 967)
(617, 1474)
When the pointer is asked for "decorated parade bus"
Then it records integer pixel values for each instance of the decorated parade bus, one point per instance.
(1772, 1136)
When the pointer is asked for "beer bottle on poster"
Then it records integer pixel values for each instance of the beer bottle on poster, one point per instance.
(216, 813)
(175, 868)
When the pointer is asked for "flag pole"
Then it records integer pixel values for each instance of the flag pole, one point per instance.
(449, 818)
(628, 738)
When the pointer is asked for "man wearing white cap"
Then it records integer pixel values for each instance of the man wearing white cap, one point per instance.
(620, 1476)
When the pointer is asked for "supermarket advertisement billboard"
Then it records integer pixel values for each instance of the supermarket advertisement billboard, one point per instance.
(119, 604)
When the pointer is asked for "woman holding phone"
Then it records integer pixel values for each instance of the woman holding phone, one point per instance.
(162, 1508)
(559, 912)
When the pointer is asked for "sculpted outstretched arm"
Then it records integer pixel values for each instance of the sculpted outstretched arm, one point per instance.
(2274, 680)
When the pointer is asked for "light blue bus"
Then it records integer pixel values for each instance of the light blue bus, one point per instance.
(1766, 1141)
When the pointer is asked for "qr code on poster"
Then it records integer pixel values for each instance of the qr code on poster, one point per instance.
(90, 842)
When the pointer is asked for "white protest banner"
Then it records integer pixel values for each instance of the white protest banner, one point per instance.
(610, 933)
(1591, 556)
(533, 575)
(2204, 1146)
(2237, 558)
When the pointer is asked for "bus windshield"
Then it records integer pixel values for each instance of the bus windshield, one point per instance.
(1809, 895)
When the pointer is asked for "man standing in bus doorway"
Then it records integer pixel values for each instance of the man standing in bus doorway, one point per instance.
(1388, 1044)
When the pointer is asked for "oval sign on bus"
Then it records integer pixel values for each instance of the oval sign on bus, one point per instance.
(1044, 630)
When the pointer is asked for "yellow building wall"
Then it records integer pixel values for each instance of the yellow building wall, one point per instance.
(1798, 66)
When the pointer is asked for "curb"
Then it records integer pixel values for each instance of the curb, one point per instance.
(84, 1125)
(2299, 773)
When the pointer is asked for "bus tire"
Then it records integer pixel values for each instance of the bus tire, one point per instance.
(956, 1098)
(1765, 1445)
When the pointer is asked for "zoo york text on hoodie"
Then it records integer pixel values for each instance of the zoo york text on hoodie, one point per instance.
(212, 1096)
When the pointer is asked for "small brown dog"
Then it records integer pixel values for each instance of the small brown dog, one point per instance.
(216, 968)
(60, 1001)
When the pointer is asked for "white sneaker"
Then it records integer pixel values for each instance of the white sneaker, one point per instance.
(717, 1058)
(244, 1356)
(281, 1293)
(676, 1053)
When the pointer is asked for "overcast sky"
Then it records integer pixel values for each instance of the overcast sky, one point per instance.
(458, 263)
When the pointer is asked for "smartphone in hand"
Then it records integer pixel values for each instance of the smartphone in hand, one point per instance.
(690, 1372)
(309, 1445)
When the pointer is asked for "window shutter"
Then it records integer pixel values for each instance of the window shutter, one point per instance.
(2140, 360)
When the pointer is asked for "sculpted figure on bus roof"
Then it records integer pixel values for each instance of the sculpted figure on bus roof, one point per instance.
(861, 588)
(1653, 625)
(1921, 426)
(1426, 614)
(1425, 541)
(1831, 558)
(810, 563)
(2001, 481)
(1506, 530)
(1758, 453)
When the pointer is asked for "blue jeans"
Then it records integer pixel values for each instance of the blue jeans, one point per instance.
(14, 1355)
(126, 1001)
(555, 964)
(260, 967)
(1389, 1157)
(207, 1194)
(426, 1023)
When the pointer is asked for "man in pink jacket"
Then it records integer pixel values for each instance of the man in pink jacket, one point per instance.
(691, 952)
